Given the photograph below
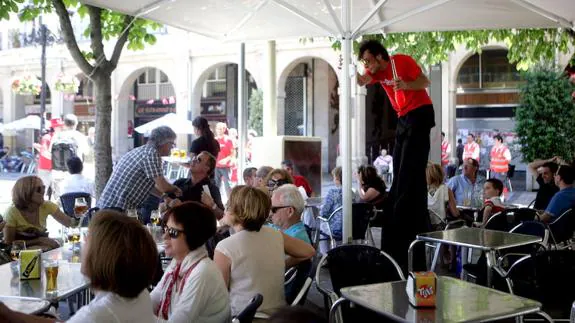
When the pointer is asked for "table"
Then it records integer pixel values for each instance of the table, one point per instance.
(457, 301)
(489, 241)
(70, 279)
(25, 305)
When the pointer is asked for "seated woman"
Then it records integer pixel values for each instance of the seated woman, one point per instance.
(371, 187)
(438, 196)
(26, 217)
(332, 201)
(119, 279)
(253, 260)
(276, 178)
(192, 288)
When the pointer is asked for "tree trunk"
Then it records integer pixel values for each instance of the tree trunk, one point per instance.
(102, 148)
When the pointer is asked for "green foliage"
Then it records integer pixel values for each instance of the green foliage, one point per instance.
(545, 119)
(527, 47)
(255, 112)
(113, 23)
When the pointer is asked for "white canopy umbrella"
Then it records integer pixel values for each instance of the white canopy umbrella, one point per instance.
(344, 20)
(30, 122)
(179, 125)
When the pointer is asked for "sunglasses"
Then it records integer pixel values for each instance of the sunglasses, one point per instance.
(279, 182)
(274, 209)
(40, 189)
(173, 233)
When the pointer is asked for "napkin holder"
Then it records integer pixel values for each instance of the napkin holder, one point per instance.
(421, 289)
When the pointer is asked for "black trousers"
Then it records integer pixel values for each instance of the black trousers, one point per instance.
(406, 212)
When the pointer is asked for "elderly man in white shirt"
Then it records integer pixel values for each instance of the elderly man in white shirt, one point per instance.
(76, 182)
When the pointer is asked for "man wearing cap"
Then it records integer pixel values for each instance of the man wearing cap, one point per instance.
(45, 159)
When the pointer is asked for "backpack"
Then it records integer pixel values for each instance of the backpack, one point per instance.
(63, 150)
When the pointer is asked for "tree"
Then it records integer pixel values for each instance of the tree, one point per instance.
(255, 111)
(104, 25)
(527, 47)
(545, 118)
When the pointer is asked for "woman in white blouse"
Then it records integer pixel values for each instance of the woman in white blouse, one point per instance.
(192, 288)
(119, 257)
(253, 260)
(438, 195)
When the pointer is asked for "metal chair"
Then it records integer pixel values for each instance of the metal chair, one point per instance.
(330, 232)
(362, 215)
(545, 277)
(301, 295)
(68, 200)
(247, 314)
(295, 279)
(562, 229)
(572, 317)
(498, 221)
(352, 265)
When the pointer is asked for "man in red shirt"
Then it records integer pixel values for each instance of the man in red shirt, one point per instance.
(298, 180)
(45, 156)
(225, 157)
(405, 85)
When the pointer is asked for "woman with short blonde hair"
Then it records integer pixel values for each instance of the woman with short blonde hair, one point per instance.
(438, 195)
(256, 253)
(26, 217)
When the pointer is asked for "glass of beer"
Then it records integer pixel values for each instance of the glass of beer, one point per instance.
(155, 218)
(51, 269)
(17, 246)
(80, 206)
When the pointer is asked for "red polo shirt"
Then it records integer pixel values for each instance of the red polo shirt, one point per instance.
(43, 161)
(407, 70)
(226, 147)
(301, 181)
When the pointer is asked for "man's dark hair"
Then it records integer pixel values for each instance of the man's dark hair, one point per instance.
(472, 135)
(248, 172)
(552, 167)
(497, 185)
(374, 47)
(498, 138)
(75, 165)
(287, 163)
(567, 174)
(459, 141)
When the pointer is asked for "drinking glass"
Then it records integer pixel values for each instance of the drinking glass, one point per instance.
(51, 270)
(80, 206)
(155, 217)
(17, 246)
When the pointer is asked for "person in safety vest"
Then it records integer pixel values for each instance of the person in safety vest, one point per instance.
(471, 148)
(500, 157)
(445, 150)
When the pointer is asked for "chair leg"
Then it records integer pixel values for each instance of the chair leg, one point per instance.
(435, 256)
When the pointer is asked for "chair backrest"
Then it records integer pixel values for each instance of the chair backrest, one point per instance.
(547, 278)
(498, 221)
(562, 228)
(523, 214)
(294, 285)
(361, 215)
(67, 200)
(352, 265)
(534, 228)
(303, 288)
(248, 313)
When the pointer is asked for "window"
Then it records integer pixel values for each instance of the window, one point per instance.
(164, 78)
(489, 70)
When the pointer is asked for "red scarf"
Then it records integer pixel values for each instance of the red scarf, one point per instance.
(171, 279)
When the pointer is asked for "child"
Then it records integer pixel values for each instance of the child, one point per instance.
(492, 190)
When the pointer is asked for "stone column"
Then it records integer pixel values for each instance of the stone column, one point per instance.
(270, 97)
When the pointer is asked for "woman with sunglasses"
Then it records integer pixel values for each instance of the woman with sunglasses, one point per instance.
(253, 259)
(192, 288)
(119, 258)
(276, 178)
(26, 217)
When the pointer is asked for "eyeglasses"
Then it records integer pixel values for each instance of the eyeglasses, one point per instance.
(173, 233)
(40, 189)
(274, 209)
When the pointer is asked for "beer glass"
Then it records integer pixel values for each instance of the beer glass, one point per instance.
(51, 270)
(17, 246)
(80, 206)
(155, 217)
